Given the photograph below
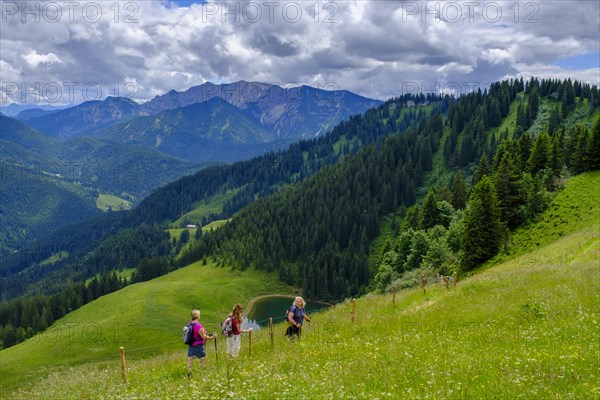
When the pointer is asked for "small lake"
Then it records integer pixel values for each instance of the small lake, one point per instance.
(275, 306)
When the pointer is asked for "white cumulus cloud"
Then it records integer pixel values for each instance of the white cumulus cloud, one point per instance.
(374, 48)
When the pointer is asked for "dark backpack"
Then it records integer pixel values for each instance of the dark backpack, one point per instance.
(287, 313)
(227, 326)
(188, 333)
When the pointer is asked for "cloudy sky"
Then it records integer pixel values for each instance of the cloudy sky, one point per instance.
(69, 51)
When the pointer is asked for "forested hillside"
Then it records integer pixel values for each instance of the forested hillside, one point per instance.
(263, 175)
(330, 197)
(49, 182)
(317, 234)
(244, 181)
(42, 269)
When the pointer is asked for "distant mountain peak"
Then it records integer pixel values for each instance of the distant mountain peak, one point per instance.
(85, 117)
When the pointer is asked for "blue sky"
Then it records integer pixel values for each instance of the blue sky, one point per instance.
(187, 3)
(580, 61)
(379, 49)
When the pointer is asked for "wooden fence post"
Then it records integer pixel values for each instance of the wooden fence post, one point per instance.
(423, 283)
(353, 309)
(394, 296)
(271, 330)
(123, 366)
(455, 278)
(249, 342)
(216, 352)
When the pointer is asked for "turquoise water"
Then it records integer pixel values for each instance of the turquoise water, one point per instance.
(275, 306)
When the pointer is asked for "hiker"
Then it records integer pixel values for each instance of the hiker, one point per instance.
(196, 349)
(234, 338)
(296, 317)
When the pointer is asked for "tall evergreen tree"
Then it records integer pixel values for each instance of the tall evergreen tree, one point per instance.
(482, 234)
(553, 120)
(483, 169)
(593, 148)
(459, 192)
(509, 190)
(567, 98)
(521, 118)
(577, 148)
(556, 158)
(525, 145)
(430, 213)
(540, 154)
(412, 219)
(534, 103)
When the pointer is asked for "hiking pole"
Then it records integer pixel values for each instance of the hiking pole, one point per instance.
(249, 342)
(216, 352)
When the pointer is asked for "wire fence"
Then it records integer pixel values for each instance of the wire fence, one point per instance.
(269, 329)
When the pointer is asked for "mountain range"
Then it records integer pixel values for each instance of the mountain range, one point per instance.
(299, 112)
(15, 109)
(49, 182)
(269, 113)
(119, 147)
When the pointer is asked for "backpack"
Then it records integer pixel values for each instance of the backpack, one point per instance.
(227, 326)
(287, 313)
(188, 333)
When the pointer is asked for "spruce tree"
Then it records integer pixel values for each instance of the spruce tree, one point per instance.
(553, 120)
(483, 169)
(459, 192)
(412, 220)
(525, 145)
(430, 212)
(483, 229)
(556, 159)
(540, 154)
(567, 98)
(509, 191)
(593, 148)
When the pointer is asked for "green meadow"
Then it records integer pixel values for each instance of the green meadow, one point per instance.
(526, 325)
(104, 201)
(146, 318)
(212, 205)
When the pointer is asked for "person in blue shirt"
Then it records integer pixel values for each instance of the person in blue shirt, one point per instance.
(296, 317)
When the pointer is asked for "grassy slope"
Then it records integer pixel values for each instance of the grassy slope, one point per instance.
(212, 205)
(115, 203)
(524, 328)
(137, 317)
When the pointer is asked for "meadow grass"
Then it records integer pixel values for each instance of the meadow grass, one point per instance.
(146, 318)
(115, 203)
(212, 205)
(175, 233)
(572, 209)
(526, 327)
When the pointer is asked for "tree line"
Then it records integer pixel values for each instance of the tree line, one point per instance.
(22, 318)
